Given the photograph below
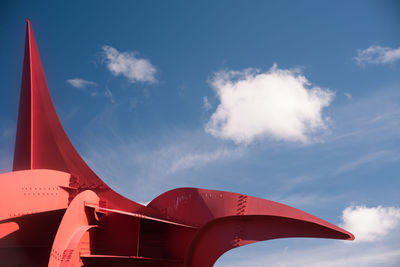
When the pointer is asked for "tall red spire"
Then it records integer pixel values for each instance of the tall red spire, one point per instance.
(41, 142)
(22, 152)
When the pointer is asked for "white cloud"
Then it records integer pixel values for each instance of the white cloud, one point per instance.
(206, 104)
(376, 54)
(278, 104)
(80, 83)
(370, 224)
(127, 64)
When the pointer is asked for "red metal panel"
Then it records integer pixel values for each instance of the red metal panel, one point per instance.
(30, 245)
(8, 228)
(30, 192)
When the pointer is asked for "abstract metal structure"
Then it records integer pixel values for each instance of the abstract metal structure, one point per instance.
(55, 211)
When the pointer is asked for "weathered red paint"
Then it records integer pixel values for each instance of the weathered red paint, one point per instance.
(56, 211)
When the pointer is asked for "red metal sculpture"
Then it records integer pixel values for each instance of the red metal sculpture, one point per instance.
(56, 211)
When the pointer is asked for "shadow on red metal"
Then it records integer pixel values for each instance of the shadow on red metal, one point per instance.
(56, 211)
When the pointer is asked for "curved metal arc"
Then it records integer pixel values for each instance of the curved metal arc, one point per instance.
(226, 233)
(196, 206)
(229, 220)
(73, 244)
(73, 226)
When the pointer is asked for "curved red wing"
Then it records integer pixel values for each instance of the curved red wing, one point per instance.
(229, 220)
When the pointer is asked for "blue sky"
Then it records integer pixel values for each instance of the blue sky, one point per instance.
(297, 102)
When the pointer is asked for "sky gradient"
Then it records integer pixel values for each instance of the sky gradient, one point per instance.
(296, 102)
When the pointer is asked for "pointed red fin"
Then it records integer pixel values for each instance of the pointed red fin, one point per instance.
(22, 152)
(41, 142)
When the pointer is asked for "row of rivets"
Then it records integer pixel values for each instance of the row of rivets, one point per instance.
(40, 194)
(39, 188)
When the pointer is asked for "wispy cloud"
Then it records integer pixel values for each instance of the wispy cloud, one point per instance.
(348, 96)
(206, 104)
(7, 133)
(142, 169)
(278, 104)
(80, 83)
(376, 54)
(194, 160)
(142, 173)
(316, 253)
(370, 224)
(369, 119)
(130, 66)
(336, 254)
(109, 95)
(306, 200)
(367, 159)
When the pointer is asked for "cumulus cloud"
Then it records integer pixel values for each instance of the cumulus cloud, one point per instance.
(80, 83)
(128, 65)
(376, 54)
(278, 104)
(370, 224)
